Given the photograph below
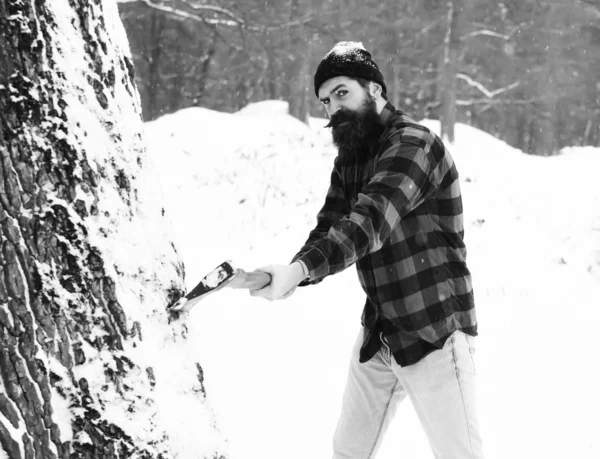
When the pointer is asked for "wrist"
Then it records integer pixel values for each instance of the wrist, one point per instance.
(298, 272)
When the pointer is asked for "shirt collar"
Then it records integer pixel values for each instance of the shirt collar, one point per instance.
(386, 113)
(385, 117)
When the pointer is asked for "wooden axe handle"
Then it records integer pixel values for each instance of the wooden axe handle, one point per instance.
(254, 280)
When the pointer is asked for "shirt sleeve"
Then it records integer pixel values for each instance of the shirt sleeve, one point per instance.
(402, 180)
(335, 207)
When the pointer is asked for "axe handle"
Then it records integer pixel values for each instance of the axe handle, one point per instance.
(254, 280)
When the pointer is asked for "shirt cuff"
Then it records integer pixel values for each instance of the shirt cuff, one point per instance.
(304, 269)
(316, 263)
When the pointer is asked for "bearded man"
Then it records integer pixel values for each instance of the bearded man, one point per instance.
(394, 209)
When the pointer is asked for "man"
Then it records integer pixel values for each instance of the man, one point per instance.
(394, 208)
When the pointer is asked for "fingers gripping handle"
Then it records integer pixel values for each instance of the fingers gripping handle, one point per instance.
(254, 280)
(257, 280)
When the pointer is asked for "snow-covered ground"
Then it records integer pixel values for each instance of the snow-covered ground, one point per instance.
(247, 186)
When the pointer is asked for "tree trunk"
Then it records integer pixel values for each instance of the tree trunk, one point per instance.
(545, 128)
(157, 25)
(300, 86)
(395, 86)
(450, 68)
(206, 61)
(273, 84)
(89, 365)
(591, 135)
(305, 90)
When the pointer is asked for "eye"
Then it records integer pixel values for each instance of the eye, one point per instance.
(341, 93)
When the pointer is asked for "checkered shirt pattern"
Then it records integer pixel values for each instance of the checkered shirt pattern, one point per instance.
(397, 215)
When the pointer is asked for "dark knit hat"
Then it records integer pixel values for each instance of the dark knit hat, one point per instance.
(350, 59)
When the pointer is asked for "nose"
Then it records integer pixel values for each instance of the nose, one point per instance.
(333, 108)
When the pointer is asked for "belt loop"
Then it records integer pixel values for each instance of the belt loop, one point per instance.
(383, 339)
(386, 351)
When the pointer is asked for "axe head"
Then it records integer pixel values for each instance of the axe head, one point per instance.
(218, 278)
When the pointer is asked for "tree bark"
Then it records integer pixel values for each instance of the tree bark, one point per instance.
(80, 320)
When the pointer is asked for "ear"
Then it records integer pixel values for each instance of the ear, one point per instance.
(375, 88)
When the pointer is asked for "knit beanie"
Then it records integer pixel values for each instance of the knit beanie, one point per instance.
(350, 59)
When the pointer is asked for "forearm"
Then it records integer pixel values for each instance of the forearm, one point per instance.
(299, 271)
(401, 183)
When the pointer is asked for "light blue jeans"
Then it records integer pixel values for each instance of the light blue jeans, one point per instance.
(441, 387)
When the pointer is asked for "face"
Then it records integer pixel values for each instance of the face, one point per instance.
(341, 92)
(353, 113)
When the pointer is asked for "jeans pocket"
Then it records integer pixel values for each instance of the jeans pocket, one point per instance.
(471, 344)
(464, 351)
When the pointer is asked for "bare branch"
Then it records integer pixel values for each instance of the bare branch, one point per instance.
(495, 102)
(186, 15)
(234, 22)
(483, 90)
(214, 9)
(592, 6)
(297, 22)
(488, 33)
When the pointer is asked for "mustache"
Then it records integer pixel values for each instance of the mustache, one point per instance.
(340, 117)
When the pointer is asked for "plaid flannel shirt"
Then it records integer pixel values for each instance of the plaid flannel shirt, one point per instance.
(397, 214)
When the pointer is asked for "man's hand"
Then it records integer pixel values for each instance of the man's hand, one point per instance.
(284, 280)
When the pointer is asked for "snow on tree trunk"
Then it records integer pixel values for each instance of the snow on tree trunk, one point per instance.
(89, 364)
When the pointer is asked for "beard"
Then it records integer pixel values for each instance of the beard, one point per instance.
(353, 131)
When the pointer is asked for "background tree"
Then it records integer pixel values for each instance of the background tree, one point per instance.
(450, 64)
(89, 365)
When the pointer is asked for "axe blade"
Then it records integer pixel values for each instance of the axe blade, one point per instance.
(212, 282)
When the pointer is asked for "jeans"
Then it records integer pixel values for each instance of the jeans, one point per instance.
(441, 387)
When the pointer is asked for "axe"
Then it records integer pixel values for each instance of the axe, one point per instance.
(224, 275)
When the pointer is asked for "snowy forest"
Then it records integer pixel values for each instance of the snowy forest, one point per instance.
(143, 142)
(526, 71)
